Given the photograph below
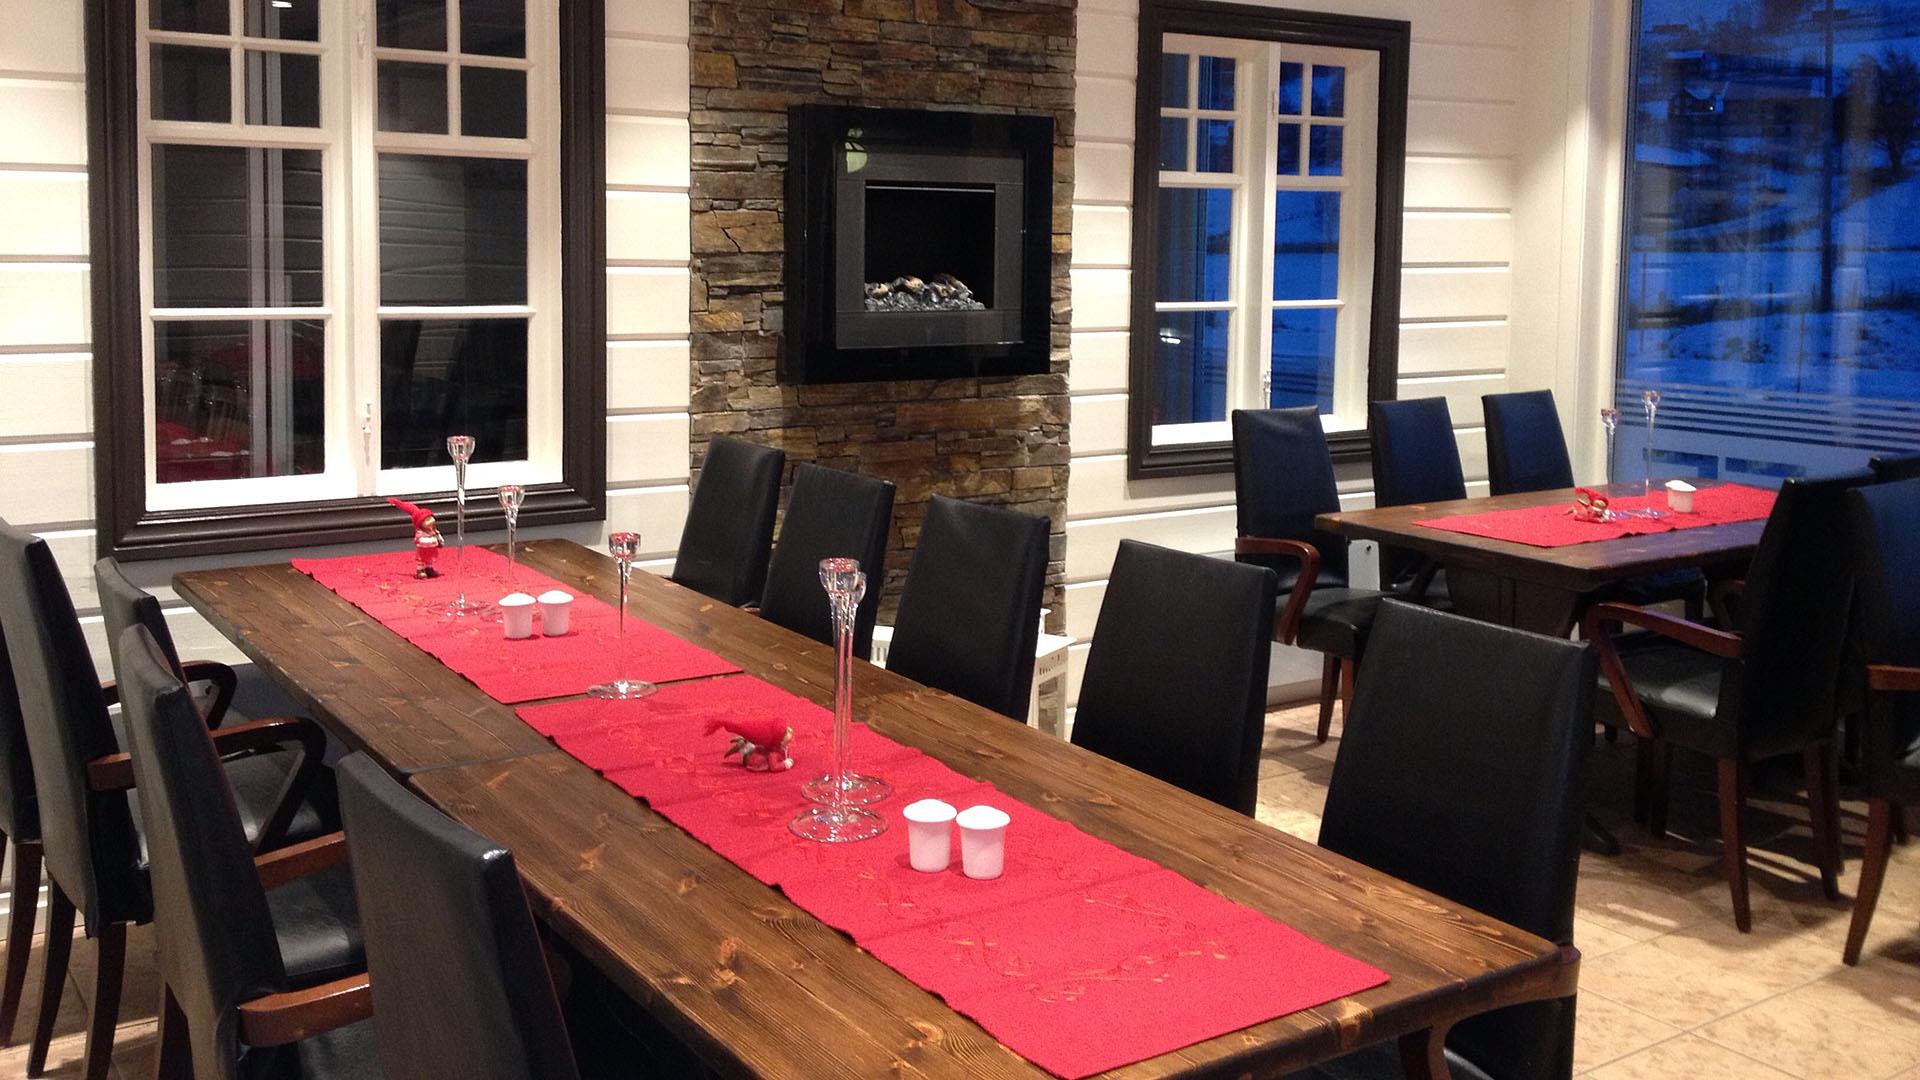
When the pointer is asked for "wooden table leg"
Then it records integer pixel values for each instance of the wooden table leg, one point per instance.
(1423, 1055)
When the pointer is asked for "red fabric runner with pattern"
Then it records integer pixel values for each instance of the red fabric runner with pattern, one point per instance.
(590, 652)
(1554, 526)
(1081, 957)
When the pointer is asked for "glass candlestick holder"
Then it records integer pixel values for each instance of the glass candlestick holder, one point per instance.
(1650, 399)
(511, 496)
(839, 816)
(623, 546)
(460, 449)
(1610, 419)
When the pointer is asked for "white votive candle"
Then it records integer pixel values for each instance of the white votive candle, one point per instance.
(556, 609)
(983, 841)
(516, 615)
(929, 835)
(1680, 496)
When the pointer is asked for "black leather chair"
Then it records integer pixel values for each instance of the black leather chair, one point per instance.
(1769, 688)
(1464, 774)
(1887, 469)
(831, 514)
(20, 826)
(460, 980)
(729, 531)
(1282, 479)
(1415, 460)
(1886, 526)
(970, 614)
(1176, 680)
(1526, 447)
(91, 845)
(256, 954)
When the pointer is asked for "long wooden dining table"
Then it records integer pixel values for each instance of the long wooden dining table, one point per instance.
(759, 987)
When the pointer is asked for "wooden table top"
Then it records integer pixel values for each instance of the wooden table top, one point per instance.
(1576, 568)
(760, 987)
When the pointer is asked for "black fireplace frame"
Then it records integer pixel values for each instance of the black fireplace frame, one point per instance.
(819, 318)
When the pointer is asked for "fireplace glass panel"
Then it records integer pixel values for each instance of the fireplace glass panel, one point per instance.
(938, 236)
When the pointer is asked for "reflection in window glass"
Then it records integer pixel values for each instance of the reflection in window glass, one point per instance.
(413, 97)
(236, 399)
(218, 243)
(1302, 372)
(411, 24)
(1215, 146)
(1329, 91)
(452, 230)
(1216, 83)
(1190, 366)
(493, 102)
(1289, 97)
(191, 83)
(1173, 143)
(493, 27)
(1173, 80)
(1306, 245)
(441, 375)
(287, 20)
(1196, 243)
(1324, 150)
(192, 16)
(1772, 289)
(283, 89)
(1286, 150)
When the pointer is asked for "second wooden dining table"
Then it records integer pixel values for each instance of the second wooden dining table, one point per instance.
(758, 986)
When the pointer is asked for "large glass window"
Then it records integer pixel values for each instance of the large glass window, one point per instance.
(1771, 290)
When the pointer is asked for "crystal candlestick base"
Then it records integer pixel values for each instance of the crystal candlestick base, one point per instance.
(460, 449)
(622, 546)
(511, 497)
(1651, 401)
(839, 817)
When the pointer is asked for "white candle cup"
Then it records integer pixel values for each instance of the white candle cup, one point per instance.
(556, 612)
(1680, 496)
(983, 841)
(929, 835)
(516, 615)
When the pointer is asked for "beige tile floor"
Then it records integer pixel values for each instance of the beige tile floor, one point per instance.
(1668, 988)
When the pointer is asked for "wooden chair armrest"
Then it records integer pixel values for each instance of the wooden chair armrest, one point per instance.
(278, 733)
(1893, 679)
(1598, 626)
(293, 1015)
(224, 681)
(1286, 624)
(294, 861)
(751, 609)
(110, 690)
(110, 772)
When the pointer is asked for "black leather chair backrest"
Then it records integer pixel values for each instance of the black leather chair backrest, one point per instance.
(1176, 679)
(460, 980)
(831, 514)
(210, 912)
(19, 808)
(1795, 614)
(970, 615)
(91, 848)
(1415, 457)
(1526, 448)
(729, 531)
(1886, 470)
(1282, 479)
(1886, 527)
(124, 605)
(1462, 772)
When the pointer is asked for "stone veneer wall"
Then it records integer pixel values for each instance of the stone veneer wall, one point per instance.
(1001, 441)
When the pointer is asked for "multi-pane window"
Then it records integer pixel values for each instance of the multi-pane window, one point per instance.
(349, 245)
(1265, 215)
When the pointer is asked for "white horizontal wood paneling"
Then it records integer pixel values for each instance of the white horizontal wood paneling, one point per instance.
(647, 300)
(658, 514)
(44, 304)
(1462, 128)
(1440, 238)
(660, 19)
(648, 151)
(46, 483)
(1450, 293)
(1459, 183)
(1099, 362)
(1462, 393)
(1453, 347)
(73, 553)
(646, 449)
(46, 216)
(1102, 172)
(46, 396)
(648, 226)
(1102, 236)
(42, 35)
(1101, 299)
(1460, 72)
(648, 376)
(1099, 425)
(1109, 45)
(1092, 542)
(647, 76)
(43, 121)
(1099, 487)
(1103, 108)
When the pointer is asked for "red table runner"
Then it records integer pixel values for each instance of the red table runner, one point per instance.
(590, 652)
(1553, 526)
(1081, 957)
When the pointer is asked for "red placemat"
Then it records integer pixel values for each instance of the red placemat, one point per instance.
(1553, 526)
(590, 652)
(1081, 957)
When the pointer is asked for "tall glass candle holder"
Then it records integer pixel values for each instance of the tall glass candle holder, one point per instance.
(511, 496)
(460, 449)
(1650, 399)
(623, 546)
(1610, 419)
(838, 816)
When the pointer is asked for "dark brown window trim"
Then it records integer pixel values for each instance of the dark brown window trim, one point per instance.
(127, 529)
(1391, 38)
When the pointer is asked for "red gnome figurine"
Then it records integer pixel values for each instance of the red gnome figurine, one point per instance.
(761, 743)
(426, 538)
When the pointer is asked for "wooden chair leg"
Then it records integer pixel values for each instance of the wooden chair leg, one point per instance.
(26, 909)
(1733, 842)
(1823, 807)
(108, 976)
(172, 1056)
(1873, 872)
(53, 977)
(1329, 688)
(1346, 691)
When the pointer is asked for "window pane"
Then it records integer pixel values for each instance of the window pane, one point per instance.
(236, 227)
(1173, 143)
(192, 16)
(1173, 80)
(283, 89)
(1302, 370)
(1216, 82)
(493, 27)
(1196, 243)
(1286, 151)
(1306, 245)
(1325, 149)
(1329, 91)
(493, 101)
(413, 97)
(1190, 363)
(191, 83)
(412, 24)
(239, 399)
(288, 20)
(1215, 147)
(454, 376)
(1290, 76)
(452, 230)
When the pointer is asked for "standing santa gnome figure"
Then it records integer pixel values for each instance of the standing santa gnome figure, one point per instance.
(426, 538)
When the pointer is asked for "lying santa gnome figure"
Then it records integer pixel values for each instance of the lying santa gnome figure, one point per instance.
(761, 743)
(427, 540)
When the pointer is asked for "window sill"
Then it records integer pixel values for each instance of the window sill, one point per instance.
(1213, 458)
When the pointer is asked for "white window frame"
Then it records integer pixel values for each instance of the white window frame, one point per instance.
(349, 145)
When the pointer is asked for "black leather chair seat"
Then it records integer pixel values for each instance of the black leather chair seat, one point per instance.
(257, 780)
(1336, 620)
(1381, 1061)
(345, 1053)
(317, 923)
(1680, 687)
